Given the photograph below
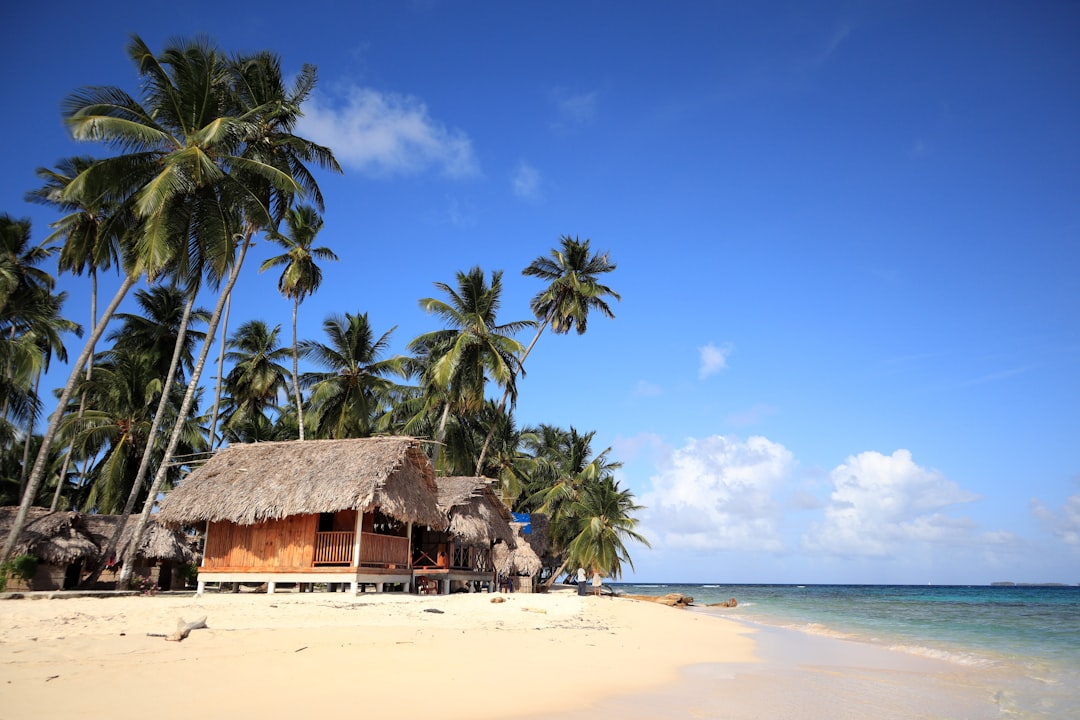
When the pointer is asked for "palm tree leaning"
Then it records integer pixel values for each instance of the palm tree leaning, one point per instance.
(300, 277)
(573, 291)
(257, 186)
(605, 522)
(474, 348)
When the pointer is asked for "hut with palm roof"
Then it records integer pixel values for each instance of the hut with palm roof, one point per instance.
(68, 543)
(460, 555)
(313, 511)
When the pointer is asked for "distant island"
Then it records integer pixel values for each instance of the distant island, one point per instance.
(1016, 584)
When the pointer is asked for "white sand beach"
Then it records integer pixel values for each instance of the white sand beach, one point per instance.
(307, 655)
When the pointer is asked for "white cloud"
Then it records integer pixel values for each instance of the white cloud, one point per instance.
(753, 416)
(717, 493)
(713, 359)
(882, 503)
(575, 109)
(387, 134)
(1064, 524)
(525, 181)
(644, 388)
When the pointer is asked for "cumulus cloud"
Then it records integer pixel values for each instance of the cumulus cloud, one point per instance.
(574, 109)
(644, 388)
(752, 416)
(713, 359)
(717, 493)
(1065, 524)
(385, 134)
(882, 503)
(525, 180)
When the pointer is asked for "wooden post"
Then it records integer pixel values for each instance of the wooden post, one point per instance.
(356, 549)
(270, 585)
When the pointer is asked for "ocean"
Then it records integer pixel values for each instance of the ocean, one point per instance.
(1019, 646)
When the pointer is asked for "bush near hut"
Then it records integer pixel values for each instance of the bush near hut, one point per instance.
(20, 567)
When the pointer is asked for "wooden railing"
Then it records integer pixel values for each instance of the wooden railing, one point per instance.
(334, 548)
(384, 550)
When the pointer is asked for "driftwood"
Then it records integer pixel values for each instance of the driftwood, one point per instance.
(183, 629)
(671, 599)
(727, 603)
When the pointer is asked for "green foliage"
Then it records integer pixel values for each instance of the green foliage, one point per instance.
(21, 567)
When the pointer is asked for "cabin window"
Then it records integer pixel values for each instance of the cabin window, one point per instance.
(326, 522)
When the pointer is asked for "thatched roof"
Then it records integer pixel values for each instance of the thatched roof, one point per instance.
(64, 537)
(539, 537)
(477, 515)
(518, 559)
(247, 484)
(158, 542)
(56, 538)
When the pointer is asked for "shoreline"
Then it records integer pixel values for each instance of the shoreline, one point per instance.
(461, 656)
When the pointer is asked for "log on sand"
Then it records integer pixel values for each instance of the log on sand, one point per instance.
(183, 629)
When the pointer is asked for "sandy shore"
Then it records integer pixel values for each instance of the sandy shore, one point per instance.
(459, 656)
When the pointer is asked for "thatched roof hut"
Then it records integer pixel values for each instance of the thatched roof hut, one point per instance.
(516, 559)
(158, 542)
(247, 484)
(64, 537)
(57, 538)
(476, 513)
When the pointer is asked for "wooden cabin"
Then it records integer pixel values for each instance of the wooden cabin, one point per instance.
(317, 511)
(460, 556)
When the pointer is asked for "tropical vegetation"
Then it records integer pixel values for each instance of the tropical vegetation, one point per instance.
(204, 160)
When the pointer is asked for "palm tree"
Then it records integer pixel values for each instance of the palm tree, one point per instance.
(473, 348)
(300, 277)
(155, 328)
(257, 377)
(573, 291)
(565, 469)
(355, 387)
(216, 160)
(605, 521)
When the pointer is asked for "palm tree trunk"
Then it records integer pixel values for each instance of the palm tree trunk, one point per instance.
(185, 408)
(506, 394)
(439, 435)
(220, 376)
(82, 397)
(144, 464)
(559, 571)
(38, 472)
(296, 370)
(29, 435)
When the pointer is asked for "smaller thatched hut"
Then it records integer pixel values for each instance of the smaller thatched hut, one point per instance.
(67, 543)
(461, 554)
(318, 511)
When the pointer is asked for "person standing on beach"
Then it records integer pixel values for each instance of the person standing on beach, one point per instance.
(597, 583)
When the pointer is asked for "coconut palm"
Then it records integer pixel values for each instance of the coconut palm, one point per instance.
(155, 328)
(573, 291)
(565, 468)
(257, 376)
(605, 522)
(234, 164)
(354, 388)
(300, 277)
(473, 349)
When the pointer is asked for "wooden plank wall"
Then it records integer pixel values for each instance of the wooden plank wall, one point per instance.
(285, 543)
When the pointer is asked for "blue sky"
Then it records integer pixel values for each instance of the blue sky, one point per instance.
(847, 238)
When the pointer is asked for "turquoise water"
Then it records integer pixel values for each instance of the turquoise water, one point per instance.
(1022, 644)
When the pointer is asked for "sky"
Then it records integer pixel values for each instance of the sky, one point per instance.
(847, 238)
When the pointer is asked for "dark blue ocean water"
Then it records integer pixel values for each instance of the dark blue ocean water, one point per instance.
(1022, 641)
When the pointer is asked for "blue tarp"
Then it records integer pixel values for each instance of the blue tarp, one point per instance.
(525, 518)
